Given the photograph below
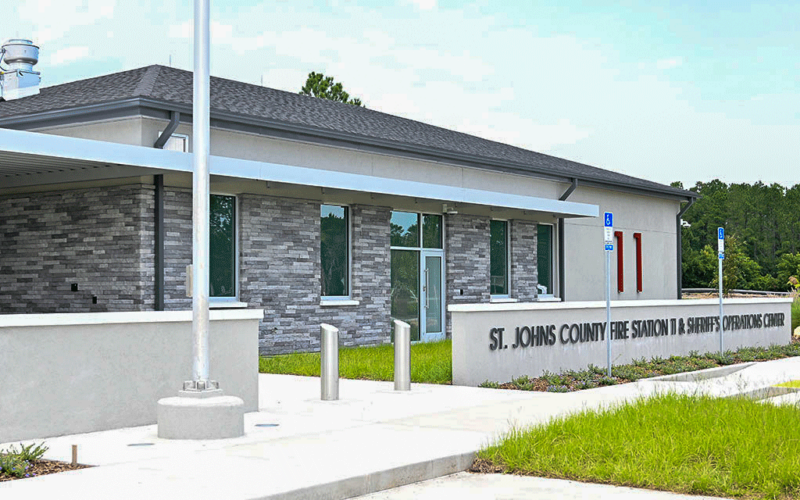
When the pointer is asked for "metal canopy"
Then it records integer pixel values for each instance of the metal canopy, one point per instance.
(30, 158)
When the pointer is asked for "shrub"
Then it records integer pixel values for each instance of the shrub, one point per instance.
(13, 465)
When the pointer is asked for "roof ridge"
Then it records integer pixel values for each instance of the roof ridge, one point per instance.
(148, 81)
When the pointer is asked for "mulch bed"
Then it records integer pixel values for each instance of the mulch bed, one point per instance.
(624, 374)
(43, 467)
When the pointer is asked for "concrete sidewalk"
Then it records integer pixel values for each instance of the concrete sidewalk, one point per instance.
(299, 447)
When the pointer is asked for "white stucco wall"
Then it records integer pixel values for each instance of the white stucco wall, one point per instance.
(74, 373)
(120, 131)
(585, 254)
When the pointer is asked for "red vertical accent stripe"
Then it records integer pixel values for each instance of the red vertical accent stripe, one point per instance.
(638, 238)
(620, 263)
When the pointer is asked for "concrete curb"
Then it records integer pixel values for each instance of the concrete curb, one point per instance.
(380, 480)
(705, 374)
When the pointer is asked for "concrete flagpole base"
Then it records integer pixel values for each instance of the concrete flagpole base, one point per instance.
(203, 414)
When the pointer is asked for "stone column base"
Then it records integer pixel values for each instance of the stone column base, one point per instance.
(200, 415)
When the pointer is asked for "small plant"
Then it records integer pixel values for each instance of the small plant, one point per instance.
(16, 462)
(524, 383)
(585, 384)
(554, 379)
(14, 466)
(489, 385)
(557, 388)
(29, 453)
(607, 381)
(597, 370)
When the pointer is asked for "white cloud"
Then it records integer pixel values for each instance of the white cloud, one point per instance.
(423, 4)
(53, 19)
(220, 32)
(672, 62)
(68, 55)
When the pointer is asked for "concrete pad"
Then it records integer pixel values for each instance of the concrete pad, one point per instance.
(193, 415)
(372, 439)
(466, 486)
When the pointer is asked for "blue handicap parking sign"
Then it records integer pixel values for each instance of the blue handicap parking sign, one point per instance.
(721, 233)
(609, 219)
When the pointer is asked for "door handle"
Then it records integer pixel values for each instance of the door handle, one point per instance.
(426, 288)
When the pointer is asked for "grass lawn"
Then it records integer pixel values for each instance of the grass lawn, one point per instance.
(792, 384)
(430, 363)
(686, 444)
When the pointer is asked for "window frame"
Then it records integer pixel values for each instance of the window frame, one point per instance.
(235, 298)
(420, 222)
(553, 291)
(506, 295)
(639, 268)
(421, 250)
(184, 137)
(327, 299)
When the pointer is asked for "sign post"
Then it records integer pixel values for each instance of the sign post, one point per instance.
(608, 234)
(721, 255)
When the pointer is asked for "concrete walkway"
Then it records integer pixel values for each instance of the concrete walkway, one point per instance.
(299, 447)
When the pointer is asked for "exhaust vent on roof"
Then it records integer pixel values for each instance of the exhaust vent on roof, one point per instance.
(17, 77)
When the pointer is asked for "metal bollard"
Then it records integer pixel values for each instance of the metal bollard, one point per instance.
(329, 362)
(402, 356)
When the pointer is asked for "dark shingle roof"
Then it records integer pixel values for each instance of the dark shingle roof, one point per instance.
(171, 85)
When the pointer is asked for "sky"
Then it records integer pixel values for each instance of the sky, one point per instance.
(664, 90)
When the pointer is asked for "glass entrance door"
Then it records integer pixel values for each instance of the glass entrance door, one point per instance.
(432, 286)
(418, 274)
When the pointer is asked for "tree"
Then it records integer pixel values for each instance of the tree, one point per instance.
(319, 85)
(763, 218)
(738, 270)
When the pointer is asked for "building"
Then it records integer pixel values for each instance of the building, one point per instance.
(321, 212)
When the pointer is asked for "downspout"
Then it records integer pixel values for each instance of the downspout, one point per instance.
(561, 253)
(679, 233)
(174, 121)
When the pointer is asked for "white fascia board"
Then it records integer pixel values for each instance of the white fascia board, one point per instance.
(46, 145)
(272, 172)
(110, 153)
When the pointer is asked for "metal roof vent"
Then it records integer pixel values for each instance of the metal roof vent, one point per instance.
(17, 78)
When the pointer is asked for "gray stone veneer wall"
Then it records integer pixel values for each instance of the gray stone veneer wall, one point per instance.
(177, 247)
(279, 266)
(100, 238)
(524, 274)
(467, 260)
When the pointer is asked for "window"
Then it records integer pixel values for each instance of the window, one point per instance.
(544, 258)
(222, 227)
(334, 254)
(498, 257)
(177, 142)
(639, 284)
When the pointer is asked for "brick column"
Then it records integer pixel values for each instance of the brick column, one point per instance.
(467, 260)
(524, 277)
